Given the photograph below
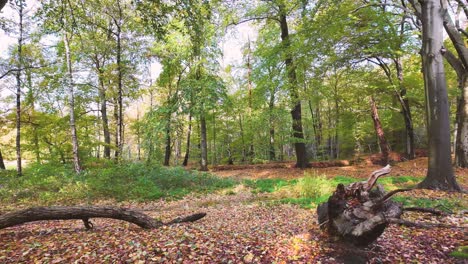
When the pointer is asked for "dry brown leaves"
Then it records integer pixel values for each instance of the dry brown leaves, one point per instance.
(237, 229)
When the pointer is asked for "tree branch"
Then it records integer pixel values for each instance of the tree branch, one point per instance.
(424, 210)
(419, 225)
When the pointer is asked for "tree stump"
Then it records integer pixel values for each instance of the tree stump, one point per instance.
(357, 214)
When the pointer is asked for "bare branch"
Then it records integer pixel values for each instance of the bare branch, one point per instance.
(419, 225)
(424, 210)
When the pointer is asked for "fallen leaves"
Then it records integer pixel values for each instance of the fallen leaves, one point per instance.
(236, 229)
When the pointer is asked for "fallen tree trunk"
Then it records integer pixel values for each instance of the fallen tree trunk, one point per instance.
(359, 215)
(85, 213)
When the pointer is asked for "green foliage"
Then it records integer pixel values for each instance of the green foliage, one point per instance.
(57, 184)
(460, 252)
(444, 204)
(268, 185)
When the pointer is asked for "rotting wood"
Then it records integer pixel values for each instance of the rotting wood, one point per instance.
(359, 214)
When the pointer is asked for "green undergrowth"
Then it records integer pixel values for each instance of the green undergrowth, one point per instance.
(47, 184)
(460, 252)
(312, 189)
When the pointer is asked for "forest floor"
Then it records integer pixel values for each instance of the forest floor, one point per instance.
(240, 226)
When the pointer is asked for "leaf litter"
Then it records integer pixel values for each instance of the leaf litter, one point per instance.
(238, 228)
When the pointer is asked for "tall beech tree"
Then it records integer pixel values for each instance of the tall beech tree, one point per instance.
(440, 173)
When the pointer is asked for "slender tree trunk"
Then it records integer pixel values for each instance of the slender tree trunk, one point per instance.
(2, 164)
(317, 126)
(71, 99)
(104, 117)
(440, 172)
(116, 132)
(244, 151)
(187, 149)
(406, 111)
(385, 149)
(296, 112)
(461, 146)
(250, 123)
(168, 150)
(120, 124)
(271, 106)
(19, 168)
(203, 144)
(215, 153)
(138, 134)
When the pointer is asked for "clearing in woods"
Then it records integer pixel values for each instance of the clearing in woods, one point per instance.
(242, 225)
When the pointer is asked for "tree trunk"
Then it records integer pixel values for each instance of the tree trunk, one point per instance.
(86, 212)
(380, 133)
(244, 151)
(71, 99)
(317, 126)
(296, 112)
(2, 164)
(19, 168)
(405, 111)
(250, 123)
(271, 106)
(440, 172)
(103, 110)
(203, 144)
(462, 126)
(167, 152)
(120, 125)
(187, 149)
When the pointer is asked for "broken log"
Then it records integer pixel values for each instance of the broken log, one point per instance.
(359, 215)
(84, 213)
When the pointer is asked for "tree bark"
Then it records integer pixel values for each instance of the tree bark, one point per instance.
(120, 141)
(103, 110)
(380, 133)
(296, 112)
(86, 212)
(19, 168)
(187, 148)
(271, 105)
(2, 164)
(461, 146)
(71, 99)
(203, 144)
(405, 111)
(168, 150)
(251, 153)
(440, 172)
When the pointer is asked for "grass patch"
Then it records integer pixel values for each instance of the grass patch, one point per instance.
(48, 184)
(460, 252)
(268, 185)
(447, 205)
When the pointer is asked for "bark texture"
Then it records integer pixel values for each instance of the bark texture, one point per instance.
(71, 102)
(385, 149)
(440, 172)
(203, 144)
(2, 164)
(296, 112)
(356, 214)
(85, 213)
